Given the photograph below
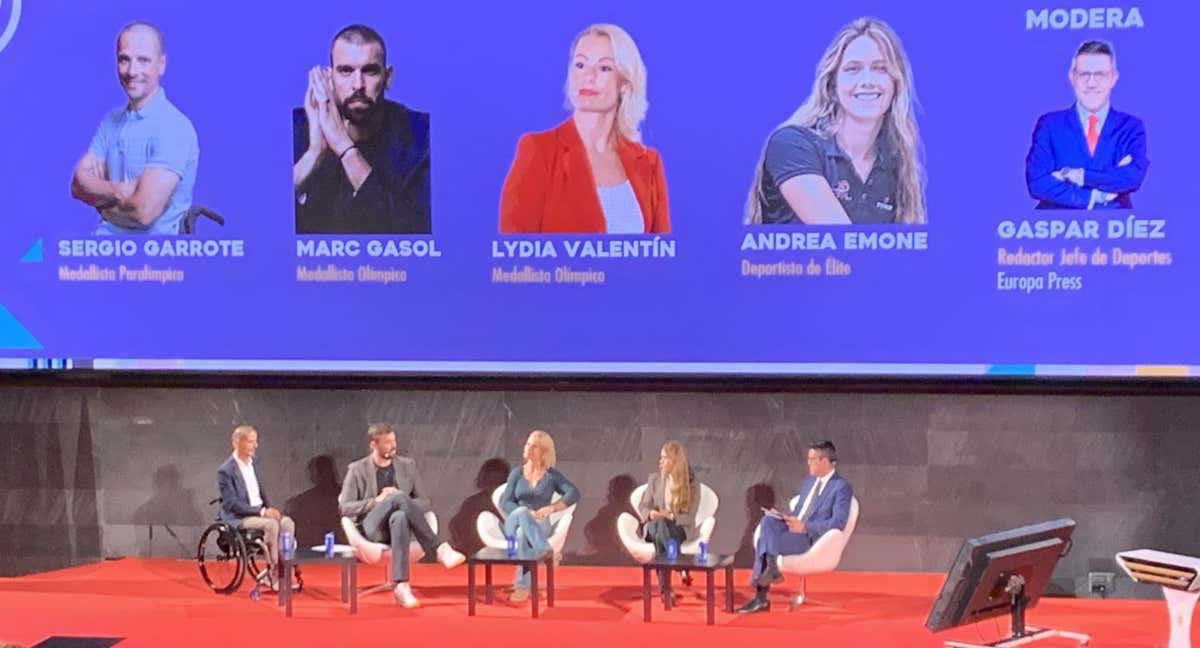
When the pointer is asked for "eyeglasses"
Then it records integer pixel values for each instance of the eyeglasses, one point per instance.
(1103, 75)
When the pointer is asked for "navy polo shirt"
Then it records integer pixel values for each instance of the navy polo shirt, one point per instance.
(794, 151)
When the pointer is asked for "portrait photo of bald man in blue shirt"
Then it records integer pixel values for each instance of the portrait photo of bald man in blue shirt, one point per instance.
(140, 169)
(1089, 156)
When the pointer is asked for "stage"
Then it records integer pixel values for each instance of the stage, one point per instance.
(160, 602)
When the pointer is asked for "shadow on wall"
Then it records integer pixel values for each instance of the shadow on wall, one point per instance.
(603, 543)
(463, 534)
(84, 510)
(170, 507)
(315, 511)
(36, 535)
(758, 497)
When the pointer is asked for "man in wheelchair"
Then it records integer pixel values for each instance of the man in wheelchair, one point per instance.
(244, 503)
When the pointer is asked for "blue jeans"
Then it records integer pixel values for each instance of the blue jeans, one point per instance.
(531, 534)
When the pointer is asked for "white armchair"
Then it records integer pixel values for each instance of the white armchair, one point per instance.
(491, 528)
(415, 553)
(823, 556)
(642, 551)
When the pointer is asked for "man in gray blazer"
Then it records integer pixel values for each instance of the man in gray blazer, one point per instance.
(384, 493)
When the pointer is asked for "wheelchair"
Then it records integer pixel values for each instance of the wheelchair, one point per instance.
(187, 226)
(225, 555)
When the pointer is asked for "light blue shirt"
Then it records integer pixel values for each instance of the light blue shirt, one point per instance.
(1097, 197)
(1101, 115)
(156, 136)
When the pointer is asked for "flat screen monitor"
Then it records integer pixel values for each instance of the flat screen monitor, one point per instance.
(976, 586)
(472, 188)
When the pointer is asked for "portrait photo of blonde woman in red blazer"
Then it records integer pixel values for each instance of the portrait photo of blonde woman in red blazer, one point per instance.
(591, 174)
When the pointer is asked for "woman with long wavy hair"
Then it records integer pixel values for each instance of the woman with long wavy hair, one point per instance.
(668, 505)
(851, 152)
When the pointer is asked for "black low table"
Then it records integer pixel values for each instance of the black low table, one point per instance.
(345, 559)
(711, 563)
(489, 556)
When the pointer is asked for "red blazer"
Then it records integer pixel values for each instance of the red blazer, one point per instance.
(550, 187)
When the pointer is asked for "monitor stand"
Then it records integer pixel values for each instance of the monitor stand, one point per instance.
(1021, 635)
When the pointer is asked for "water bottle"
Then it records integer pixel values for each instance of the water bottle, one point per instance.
(329, 545)
(511, 546)
(672, 550)
(703, 555)
(287, 545)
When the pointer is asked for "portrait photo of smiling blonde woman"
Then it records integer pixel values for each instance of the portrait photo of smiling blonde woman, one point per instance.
(591, 174)
(850, 154)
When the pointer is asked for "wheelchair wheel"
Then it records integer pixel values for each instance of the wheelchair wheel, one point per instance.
(221, 556)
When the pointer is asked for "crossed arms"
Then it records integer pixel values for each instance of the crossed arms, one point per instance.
(134, 204)
(813, 200)
(1084, 187)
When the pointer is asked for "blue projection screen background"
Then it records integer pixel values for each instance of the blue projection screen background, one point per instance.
(983, 283)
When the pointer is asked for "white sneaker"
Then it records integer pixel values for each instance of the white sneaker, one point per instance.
(367, 551)
(449, 557)
(404, 596)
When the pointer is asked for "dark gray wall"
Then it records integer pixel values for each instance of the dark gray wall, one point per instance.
(93, 473)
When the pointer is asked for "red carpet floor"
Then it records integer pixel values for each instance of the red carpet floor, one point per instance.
(164, 603)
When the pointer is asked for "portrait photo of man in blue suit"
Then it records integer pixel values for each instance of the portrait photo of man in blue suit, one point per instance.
(1089, 156)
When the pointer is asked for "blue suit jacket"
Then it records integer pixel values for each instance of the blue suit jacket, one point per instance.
(1059, 141)
(829, 510)
(235, 499)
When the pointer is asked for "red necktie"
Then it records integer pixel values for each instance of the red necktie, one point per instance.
(1093, 135)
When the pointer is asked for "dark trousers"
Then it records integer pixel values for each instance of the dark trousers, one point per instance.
(398, 520)
(659, 532)
(775, 540)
